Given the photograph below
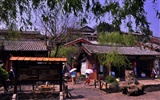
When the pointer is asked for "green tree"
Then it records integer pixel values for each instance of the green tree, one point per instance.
(105, 27)
(55, 24)
(13, 33)
(3, 73)
(23, 12)
(124, 10)
(113, 57)
(65, 51)
(115, 38)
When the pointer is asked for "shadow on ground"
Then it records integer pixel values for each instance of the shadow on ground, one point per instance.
(6, 96)
(77, 97)
(136, 94)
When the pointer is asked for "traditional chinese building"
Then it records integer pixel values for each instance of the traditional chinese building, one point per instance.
(27, 43)
(143, 57)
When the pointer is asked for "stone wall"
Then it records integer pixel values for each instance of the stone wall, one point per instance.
(153, 87)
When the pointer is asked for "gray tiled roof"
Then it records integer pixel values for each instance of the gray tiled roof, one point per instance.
(77, 41)
(86, 29)
(121, 50)
(24, 46)
(152, 45)
(24, 32)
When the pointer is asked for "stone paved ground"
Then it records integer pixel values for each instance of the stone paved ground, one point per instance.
(80, 91)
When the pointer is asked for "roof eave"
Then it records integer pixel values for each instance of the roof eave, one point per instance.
(86, 50)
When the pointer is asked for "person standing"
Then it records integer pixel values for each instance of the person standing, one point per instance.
(135, 69)
(153, 73)
(11, 77)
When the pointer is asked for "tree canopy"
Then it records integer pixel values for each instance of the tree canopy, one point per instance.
(113, 57)
(115, 38)
(21, 11)
(105, 27)
(65, 51)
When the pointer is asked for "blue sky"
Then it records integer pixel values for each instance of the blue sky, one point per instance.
(151, 17)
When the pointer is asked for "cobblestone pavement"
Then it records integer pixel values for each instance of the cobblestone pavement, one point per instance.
(80, 91)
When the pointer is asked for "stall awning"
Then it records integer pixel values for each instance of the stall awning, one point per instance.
(38, 59)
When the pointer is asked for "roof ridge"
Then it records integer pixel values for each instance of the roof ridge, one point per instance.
(109, 45)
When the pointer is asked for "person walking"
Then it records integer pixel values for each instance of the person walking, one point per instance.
(87, 79)
(73, 76)
(11, 77)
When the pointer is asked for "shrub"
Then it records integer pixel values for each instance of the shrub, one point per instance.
(82, 76)
(111, 79)
(3, 73)
(159, 76)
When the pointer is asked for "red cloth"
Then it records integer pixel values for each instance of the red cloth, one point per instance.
(88, 80)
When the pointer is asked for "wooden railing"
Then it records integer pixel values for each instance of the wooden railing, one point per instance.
(104, 86)
(101, 84)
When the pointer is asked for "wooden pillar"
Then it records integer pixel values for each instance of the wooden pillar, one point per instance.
(95, 83)
(61, 77)
(33, 86)
(100, 84)
(15, 72)
(7, 66)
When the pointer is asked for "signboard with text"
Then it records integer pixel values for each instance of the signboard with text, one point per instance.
(38, 72)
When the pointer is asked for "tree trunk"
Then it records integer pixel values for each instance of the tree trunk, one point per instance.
(109, 69)
(57, 48)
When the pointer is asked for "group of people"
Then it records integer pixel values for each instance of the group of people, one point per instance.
(154, 72)
(73, 78)
(70, 75)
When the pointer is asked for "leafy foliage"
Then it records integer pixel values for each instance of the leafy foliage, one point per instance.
(65, 51)
(111, 79)
(82, 76)
(12, 35)
(120, 11)
(3, 73)
(158, 76)
(105, 27)
(115, 38)
(113, 58)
